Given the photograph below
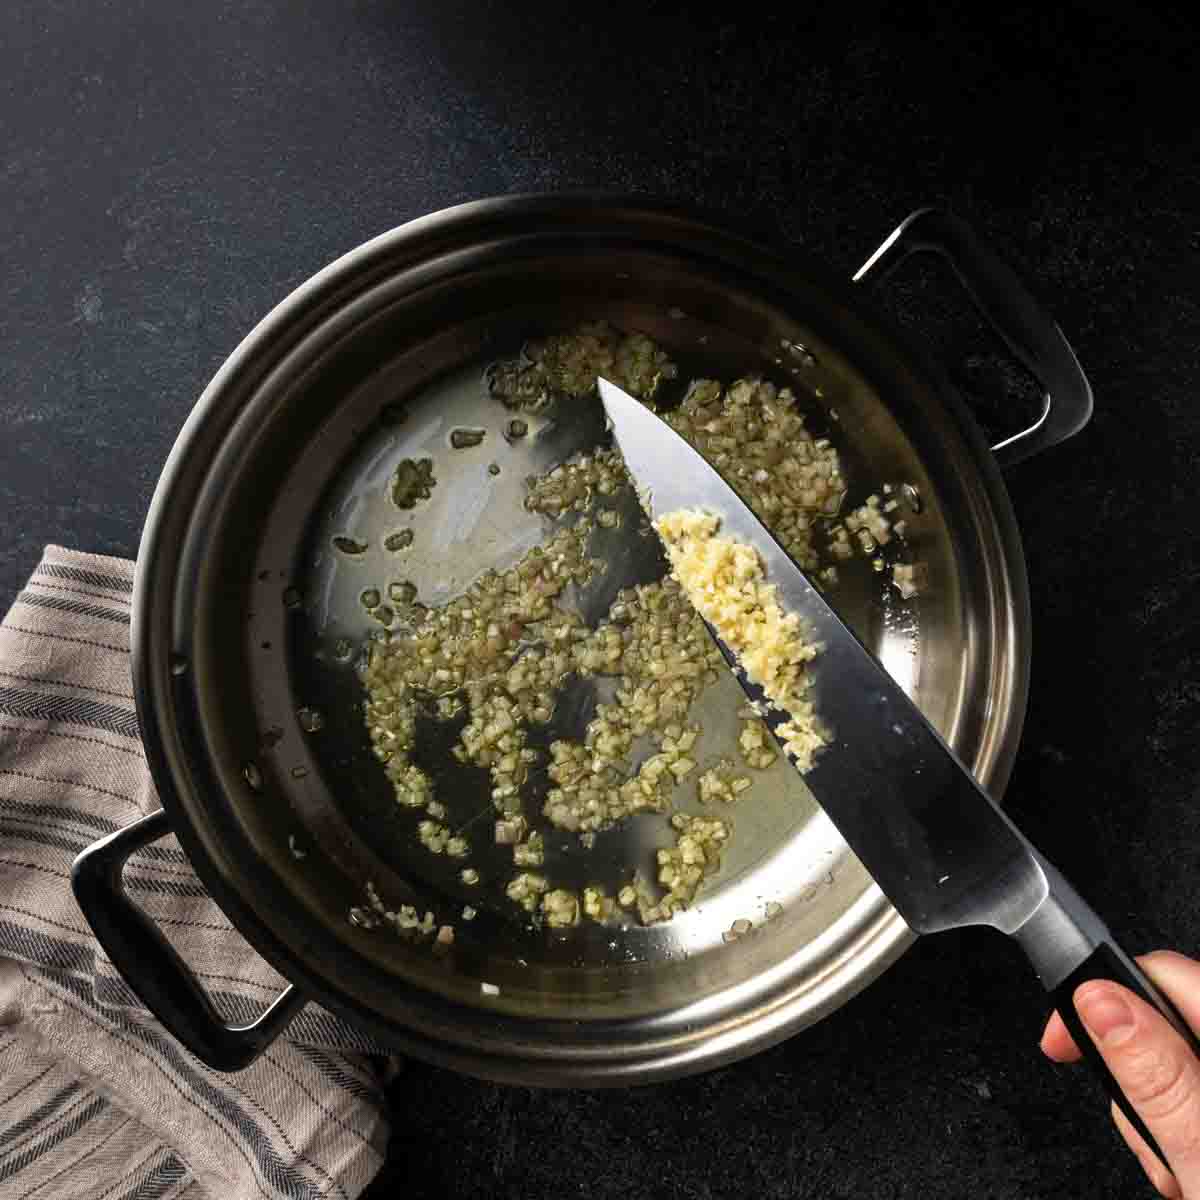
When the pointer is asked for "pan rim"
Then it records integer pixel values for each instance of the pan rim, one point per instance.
(508, 1055)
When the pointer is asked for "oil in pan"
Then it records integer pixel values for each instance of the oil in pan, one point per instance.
(435, 498)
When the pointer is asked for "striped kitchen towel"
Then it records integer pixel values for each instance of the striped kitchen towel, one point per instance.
(96, 1099)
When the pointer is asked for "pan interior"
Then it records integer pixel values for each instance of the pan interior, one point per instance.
(395, 386)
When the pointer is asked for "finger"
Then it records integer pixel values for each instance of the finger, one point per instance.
(1154, 1067)
(1176, 975)
(1057, 1042)
(1163, 1180)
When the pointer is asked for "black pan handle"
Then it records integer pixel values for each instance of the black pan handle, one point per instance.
(151, 965)
(1026, 328)
(1069, 945)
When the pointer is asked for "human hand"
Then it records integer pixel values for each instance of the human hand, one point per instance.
(1154, 1066)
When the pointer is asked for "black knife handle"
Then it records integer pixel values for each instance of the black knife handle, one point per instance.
(1110, 962)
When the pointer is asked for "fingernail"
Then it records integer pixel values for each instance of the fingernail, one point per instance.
(1105, 1013)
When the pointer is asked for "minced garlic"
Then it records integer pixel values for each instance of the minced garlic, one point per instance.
(575, 483)
(725, 580)
(697, 853)
(568, 364)
(598, 905)
(756, 745)
(411, 482)
(721, 782)
(755, 436)
(500, 652)
(560, 908)
(434, 836)
(526, 889)
(404, 920)
(531, 853)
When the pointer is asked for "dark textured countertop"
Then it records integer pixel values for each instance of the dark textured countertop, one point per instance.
(169, 171)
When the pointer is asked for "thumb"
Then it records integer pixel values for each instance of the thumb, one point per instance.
(1156, 1070)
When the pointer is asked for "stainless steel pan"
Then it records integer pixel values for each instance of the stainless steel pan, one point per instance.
(243, 614)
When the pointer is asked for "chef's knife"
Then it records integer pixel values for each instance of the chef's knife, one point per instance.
(935, 842)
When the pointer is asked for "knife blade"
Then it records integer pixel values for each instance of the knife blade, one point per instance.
(937, 844)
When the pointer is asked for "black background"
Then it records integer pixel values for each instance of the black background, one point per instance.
(169, 171)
